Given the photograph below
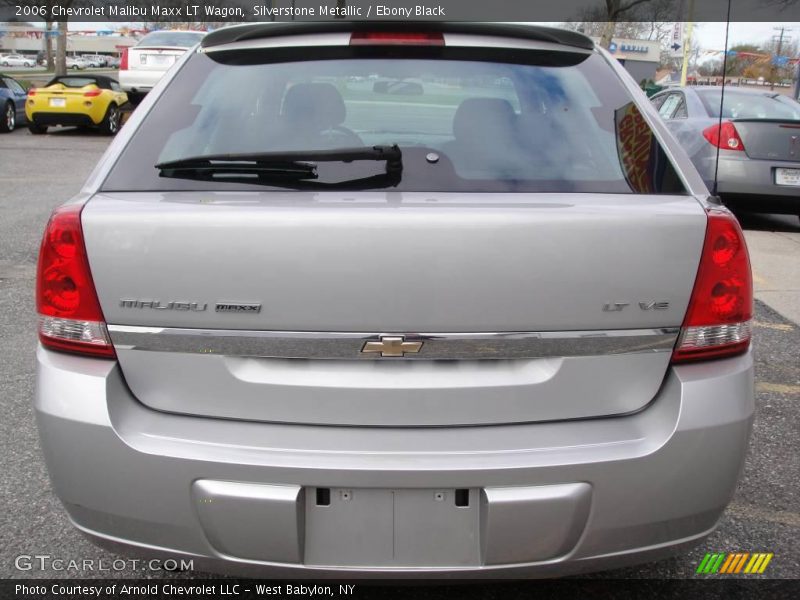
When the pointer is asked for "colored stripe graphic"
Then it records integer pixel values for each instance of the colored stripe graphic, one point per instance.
(731, 562)
(758, 563)
(734, 558)
(734, 562)
(711, 563)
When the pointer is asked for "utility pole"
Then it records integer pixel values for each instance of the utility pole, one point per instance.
(774, 67)
(687, 44)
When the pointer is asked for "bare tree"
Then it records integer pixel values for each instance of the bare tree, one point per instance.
(615, 10)
(650, 20)
(48, 45)
(61, 48)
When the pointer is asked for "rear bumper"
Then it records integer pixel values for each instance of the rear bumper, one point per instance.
(65, 119)
(761, 202)
(133, 80)
(751, 184)
(544, 499)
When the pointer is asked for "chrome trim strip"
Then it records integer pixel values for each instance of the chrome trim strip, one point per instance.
(436, 346)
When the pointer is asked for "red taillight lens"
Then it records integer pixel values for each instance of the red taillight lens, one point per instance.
(31, 92)
(70, 318)
(717, 323)
(393, 38)
(123, 61)
(92, 93)
(724, 136)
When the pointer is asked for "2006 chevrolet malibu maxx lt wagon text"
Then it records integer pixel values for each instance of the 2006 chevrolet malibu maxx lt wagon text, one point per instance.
(441, 301)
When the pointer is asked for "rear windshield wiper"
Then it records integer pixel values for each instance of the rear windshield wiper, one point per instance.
(295, 165)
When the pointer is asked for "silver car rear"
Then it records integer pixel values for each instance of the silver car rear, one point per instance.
(436, 301)
(145, 63)
(753, 154)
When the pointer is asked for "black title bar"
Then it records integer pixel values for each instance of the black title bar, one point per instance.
(218, 12)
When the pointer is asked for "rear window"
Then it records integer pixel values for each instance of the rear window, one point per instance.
(182, 39)
(740, 105)
(551, 122)
(74, 82)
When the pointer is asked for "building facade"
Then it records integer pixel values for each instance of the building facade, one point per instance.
(639, 57)
(31, 40)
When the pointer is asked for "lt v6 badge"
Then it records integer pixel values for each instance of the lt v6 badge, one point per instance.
(650, 305)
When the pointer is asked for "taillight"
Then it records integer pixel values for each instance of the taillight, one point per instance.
(724, 135)
(70, 318)
(717, 322)
(92, 93)
(31, 92)
(123, 61)
(395, 38)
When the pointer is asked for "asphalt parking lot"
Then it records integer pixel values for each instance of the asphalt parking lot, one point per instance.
(39, 172)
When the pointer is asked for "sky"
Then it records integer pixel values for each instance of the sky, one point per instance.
(711, 36)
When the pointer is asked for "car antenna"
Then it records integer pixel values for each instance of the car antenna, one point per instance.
(722, 96)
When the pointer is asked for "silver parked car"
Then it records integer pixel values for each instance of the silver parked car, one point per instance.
(77, 63)
(758, 142)
(17, 60)
(95, 60)
(428, 299)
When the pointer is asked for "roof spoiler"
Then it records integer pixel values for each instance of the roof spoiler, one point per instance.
(240, 33)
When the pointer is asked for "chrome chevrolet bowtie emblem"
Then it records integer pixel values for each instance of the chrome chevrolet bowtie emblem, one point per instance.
(396, 346)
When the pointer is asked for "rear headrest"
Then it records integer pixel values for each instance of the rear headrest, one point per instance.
(316, 106)
(476, 117)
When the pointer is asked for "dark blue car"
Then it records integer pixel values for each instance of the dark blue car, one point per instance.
(12, 104)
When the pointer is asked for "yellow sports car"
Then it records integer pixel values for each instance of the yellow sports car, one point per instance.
(78, 100)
